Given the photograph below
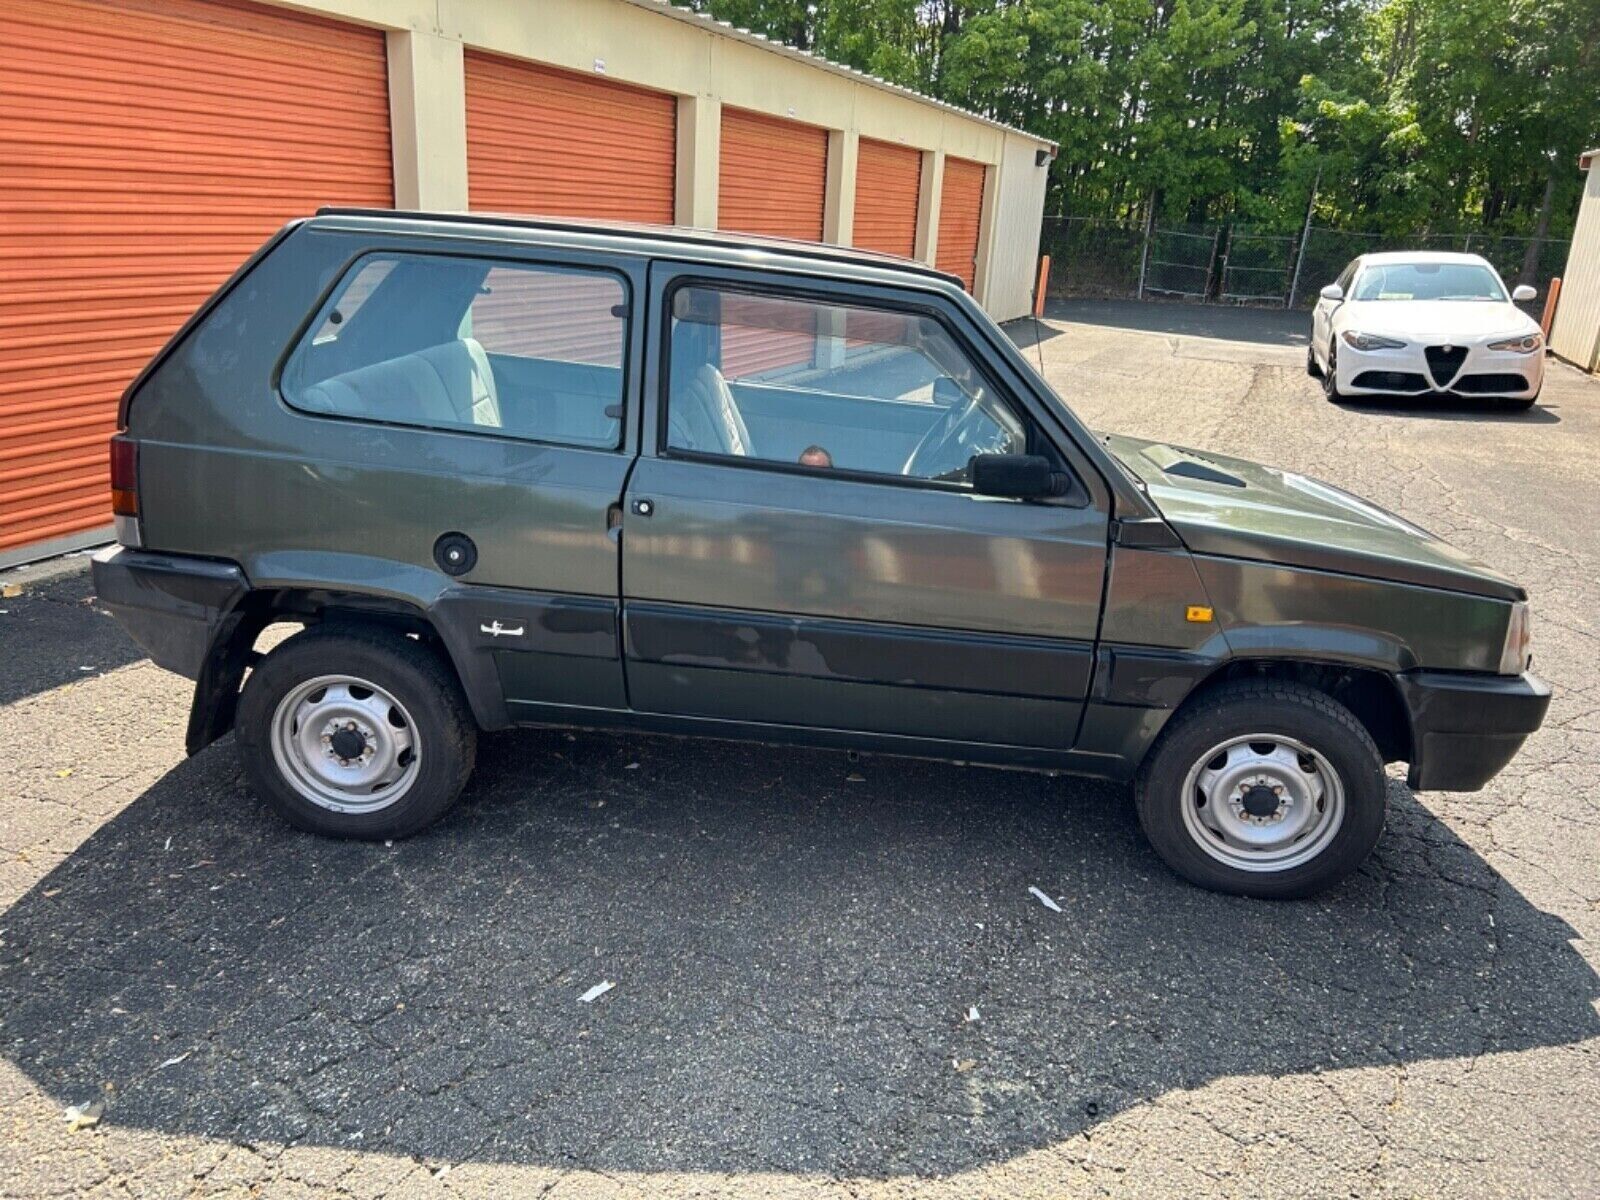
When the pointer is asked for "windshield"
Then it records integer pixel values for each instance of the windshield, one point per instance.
(1428, 281)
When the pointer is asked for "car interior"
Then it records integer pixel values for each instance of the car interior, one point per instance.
(536, 352)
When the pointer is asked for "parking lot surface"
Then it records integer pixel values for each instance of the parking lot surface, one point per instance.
(830, 976)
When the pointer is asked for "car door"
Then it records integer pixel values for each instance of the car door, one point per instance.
(801, 543)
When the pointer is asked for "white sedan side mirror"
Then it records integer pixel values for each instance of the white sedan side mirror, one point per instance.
(1522, 293)
(1333, 292)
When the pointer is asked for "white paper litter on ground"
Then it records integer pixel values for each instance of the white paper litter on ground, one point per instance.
(972, 1012)
(594, 993)
(1045, 900)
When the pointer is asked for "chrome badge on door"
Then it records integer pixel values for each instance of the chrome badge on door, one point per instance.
(495, 629)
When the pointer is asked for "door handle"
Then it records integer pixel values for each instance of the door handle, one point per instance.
(643, 507)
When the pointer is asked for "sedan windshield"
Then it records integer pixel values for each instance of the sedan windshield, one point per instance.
(1428, 281)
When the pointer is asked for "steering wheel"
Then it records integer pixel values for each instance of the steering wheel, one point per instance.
(927, 460)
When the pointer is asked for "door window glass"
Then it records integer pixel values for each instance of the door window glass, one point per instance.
(828, 387)
(463, 343)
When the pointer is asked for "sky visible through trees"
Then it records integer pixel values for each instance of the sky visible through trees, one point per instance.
(1421, 116)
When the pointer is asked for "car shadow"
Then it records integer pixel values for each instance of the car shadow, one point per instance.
(1451, 408)
(797, 941)
(62, 646)
(1260, 326)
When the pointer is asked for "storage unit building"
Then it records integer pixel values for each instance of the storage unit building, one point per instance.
(148, 146)
(1575, 335)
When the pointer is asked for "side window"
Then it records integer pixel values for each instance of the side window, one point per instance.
(1346, 278)
(463, 343)
(828, 387)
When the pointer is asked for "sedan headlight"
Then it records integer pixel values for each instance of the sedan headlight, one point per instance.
(1517, 653)
(1520, 345)
(1370, 341)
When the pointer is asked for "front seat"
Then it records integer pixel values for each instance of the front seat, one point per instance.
(702, 415)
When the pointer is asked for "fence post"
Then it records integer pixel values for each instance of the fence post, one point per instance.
(1149, 222)
(1211, 263)
(1305, 236)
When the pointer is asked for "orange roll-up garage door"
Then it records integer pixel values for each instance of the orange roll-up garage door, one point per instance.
(773, 176)
(148, 147)
(555, 142)
(960, 214)
(772, 179)
(888, 179)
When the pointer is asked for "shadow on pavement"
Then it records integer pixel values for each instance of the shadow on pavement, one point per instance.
(1262, 326)
(48, 639)
(794, 954)
(1451, 408)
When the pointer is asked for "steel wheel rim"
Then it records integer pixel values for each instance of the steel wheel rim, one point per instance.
(1227, 792)
(345, 744)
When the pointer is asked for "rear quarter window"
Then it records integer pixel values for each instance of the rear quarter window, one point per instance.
(450, 342)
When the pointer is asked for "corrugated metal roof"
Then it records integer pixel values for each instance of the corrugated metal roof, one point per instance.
(667, 9)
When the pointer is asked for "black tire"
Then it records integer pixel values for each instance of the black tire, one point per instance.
(426, 688)
(1262, 707)
(1330, 379)
(1313, 368)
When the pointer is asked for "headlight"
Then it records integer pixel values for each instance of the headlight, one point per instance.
(1521, 345)
(1517, 653)
(1370, 341)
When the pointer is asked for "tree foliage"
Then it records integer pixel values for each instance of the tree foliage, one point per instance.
(1416, 115)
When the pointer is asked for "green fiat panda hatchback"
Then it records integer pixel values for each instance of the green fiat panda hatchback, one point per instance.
(525, 472)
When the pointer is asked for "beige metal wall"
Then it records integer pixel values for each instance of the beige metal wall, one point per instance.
(651, 44)
(1576, 333)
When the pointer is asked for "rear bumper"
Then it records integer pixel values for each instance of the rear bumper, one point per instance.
(172, 605)
(1465, 728)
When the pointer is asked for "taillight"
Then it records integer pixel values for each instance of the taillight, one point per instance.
(125, 490)
(124, 476)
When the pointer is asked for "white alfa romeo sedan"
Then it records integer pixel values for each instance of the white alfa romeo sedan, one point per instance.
(1417, 324)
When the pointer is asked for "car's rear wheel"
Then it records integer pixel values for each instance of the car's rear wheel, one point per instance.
(1263, 788)
(356, 732)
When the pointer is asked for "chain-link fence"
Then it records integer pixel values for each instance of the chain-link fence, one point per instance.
(1091, 257)
(1243, 265)
(1179, 261)
(1256, 267)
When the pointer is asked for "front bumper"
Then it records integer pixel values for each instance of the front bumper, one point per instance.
(1465, 728)
(1499, 374)
(172, 605)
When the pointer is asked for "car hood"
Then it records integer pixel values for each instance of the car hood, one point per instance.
(1434, 321)
(1228, 506)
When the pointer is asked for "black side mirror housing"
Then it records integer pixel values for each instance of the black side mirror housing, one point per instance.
(1017, 476)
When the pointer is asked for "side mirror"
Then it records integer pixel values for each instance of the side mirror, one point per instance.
(1522, 293)
(1333, 292)
(1017, 476)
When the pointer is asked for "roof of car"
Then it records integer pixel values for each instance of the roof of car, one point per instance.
(1422, 256)
(675, 240)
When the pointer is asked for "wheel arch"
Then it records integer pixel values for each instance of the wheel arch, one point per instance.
(234, 650)
(1371, 695)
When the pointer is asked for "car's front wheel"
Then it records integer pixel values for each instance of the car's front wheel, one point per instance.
(1313, 367)
(356, 732)
(1330, 378)
(1263, 788)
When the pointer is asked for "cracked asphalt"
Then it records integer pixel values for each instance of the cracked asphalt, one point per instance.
(796, 939)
